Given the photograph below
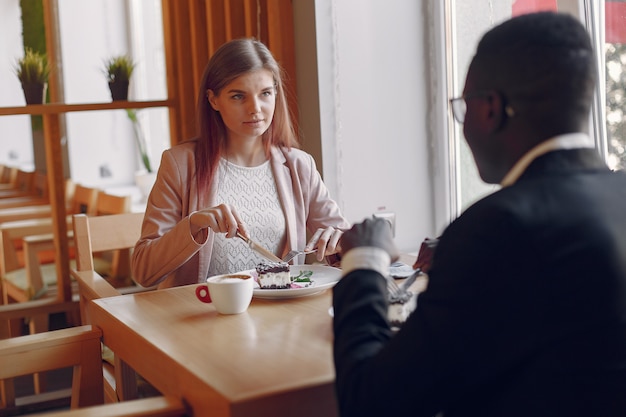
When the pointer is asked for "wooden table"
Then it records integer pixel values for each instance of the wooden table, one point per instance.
(273, 360)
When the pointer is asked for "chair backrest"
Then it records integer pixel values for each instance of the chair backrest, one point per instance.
(112, 204)
(84, 200)
(3, 174)
(77, 347)
(9, 176)
(99, 234)
(24, 180)
(104, 233)
(39, 185)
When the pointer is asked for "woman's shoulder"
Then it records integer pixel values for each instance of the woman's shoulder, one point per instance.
(293, 155)
(296, 160)
(181, 154)
(188, 146)
(183, 150)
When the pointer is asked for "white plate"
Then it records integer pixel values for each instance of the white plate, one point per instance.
(323, 277)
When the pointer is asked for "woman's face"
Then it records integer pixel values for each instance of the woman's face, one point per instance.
(246, 104)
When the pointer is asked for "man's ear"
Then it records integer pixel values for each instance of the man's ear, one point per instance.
(211, 98)
(496, 115)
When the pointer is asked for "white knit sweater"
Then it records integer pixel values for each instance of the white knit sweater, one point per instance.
(252, 191)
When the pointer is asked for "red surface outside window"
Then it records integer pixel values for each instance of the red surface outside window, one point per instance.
(615, 15)
(530, 6)
(615, 21)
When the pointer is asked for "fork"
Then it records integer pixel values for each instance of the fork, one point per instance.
(293, 253)
(401, 291)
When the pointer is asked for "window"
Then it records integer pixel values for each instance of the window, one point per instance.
(91, 32)
(615, 56)
(469, 19)
(88, 34)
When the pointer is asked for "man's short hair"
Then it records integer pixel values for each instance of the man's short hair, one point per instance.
(536, 58)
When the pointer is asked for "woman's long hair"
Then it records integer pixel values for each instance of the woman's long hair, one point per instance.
(231, 60)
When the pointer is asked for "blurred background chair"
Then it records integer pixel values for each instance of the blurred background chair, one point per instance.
(28, 269)
(79, 199)
(34, 191)
(20, 181)
(27, 255)
(8, 175)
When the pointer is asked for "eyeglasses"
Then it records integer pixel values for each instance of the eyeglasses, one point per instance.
(459, 105)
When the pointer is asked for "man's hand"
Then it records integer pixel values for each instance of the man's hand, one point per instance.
(374, 232)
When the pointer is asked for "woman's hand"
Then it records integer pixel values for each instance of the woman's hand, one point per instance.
(221, 219)
(326, 241)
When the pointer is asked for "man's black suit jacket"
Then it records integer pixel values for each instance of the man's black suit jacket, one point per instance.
(524, 314)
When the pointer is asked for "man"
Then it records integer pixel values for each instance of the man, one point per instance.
(525, 310)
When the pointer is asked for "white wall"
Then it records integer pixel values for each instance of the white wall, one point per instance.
(374, 87)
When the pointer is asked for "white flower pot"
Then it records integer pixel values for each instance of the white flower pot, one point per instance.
(144, 181)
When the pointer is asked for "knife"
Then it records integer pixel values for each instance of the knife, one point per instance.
(259, 249)
(404, 286)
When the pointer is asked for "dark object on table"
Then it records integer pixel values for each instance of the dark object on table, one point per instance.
(425, 256)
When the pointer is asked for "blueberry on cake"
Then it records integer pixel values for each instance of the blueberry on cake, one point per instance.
(273, 275)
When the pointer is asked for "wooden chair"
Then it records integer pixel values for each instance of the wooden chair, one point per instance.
(144, 407)
(15, 283)
(119, 273)
(11, 214)
(79, 348)
(34, 311)
(107, 203)
(30, 278)
(20, 184)
(27, 255)
(35, 194)
(80, 199)
(25, 278)
(97, 234)
(8, 177)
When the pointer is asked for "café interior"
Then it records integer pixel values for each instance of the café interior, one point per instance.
(368, 85)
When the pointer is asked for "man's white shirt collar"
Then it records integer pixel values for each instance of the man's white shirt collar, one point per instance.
(568, 141)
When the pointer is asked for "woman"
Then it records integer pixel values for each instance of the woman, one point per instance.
(242, 174)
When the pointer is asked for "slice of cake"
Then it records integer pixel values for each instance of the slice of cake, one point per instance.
(273, 275)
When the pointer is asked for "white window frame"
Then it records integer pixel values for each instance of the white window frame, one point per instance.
(590, 12)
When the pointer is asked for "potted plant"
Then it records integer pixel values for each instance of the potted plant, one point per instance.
(32, 70)
(140, 139)
(145, 177)
(118, 70)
